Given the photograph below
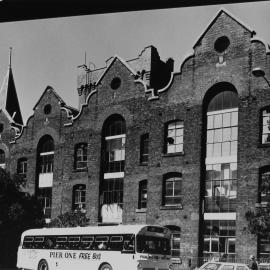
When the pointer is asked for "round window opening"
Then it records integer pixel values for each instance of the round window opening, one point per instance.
(221, 44)
(116, 82)
(47, 109)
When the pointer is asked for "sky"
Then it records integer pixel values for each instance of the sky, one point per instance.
(48, 51)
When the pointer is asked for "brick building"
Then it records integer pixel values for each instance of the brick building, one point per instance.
(188, 149)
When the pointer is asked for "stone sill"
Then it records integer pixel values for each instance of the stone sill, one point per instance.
(263, 145)
(142, 210)
(174, 154)
(171, 207)
(80, 170)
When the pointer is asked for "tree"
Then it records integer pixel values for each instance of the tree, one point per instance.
(259, 217)
(70, 219)
(19, 211)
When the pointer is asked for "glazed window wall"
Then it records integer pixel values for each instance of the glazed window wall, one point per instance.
(222, 133)
(219, 237)
(220, 190)
(112, 191)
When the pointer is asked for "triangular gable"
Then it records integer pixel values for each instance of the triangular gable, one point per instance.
(61, 101)
(223, 10)
(111, 63)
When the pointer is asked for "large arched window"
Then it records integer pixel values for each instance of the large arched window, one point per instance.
(45, 158)
(221, 125)
(112, 167)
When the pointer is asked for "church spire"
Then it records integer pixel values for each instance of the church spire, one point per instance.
(8, 96)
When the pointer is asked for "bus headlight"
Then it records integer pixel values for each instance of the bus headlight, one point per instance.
(170, 267)
(139, 266)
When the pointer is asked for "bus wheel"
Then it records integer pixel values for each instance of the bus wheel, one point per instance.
(43, 265)
(105, 267)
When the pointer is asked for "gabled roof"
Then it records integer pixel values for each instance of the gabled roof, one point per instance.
(223, 10)
(60, 100)
(111, 63)
(8, 98)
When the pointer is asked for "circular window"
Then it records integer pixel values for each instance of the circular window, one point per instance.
(221, 44)
(116, 82)
(1, 127)
(47, 109)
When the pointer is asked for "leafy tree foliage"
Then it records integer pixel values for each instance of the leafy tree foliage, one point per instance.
(19, 211)
(70, 219)
(259, 221)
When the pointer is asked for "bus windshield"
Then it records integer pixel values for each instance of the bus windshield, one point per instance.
(153, 245)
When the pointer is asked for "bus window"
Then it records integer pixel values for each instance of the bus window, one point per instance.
(50, 242)
(39, 242)
(61, 242)
(116, 243)
(28, 242)
(101, 242)
(86, 242)
(153, 245)
(73, 242)
(128, 243)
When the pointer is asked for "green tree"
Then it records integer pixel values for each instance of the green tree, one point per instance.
(70, 219)
(19, 211)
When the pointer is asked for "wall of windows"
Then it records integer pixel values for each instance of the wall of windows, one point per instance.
(220, 181)
(112, 167)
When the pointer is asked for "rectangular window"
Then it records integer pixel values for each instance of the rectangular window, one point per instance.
(22, 167)
(175, 245)
(45, 198)
(142, 194)
(174, 137)
(264, 186)
(79, 197)
(265, 126)
(264, 248)
(144, 148)
(173, 191)
(81, 157)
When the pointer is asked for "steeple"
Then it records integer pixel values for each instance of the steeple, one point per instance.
(8, 96)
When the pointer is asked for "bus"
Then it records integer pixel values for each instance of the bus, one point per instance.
(121, 247)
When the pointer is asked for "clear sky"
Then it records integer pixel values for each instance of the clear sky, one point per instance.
(47, 52)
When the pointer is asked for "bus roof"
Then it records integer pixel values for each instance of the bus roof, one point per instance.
(117, 229)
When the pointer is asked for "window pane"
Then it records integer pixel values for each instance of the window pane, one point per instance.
(217, 149)
(226, 148)
(209, 150)
(226, 134)
(234, 120)
(217, 121)
(234, 133)
(218, 135)
(210, 136)
(234, 148)
(226, 119)
(210, 120)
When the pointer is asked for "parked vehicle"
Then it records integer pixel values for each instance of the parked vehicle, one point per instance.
(212, 265)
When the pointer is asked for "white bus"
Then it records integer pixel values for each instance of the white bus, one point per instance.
(122, 247)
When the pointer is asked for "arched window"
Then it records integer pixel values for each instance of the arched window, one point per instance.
(142, 202)
(114, 134)
(22, 167)
(46, 154)
(2, 159)
(174, 132)
(45, 158)
(112, 167)
(172, 189)
(81, 156)
(79, 194)
(220, 186)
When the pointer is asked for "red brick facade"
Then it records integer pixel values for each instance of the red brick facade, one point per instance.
(147, 101)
